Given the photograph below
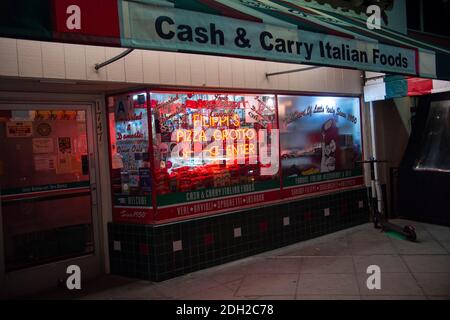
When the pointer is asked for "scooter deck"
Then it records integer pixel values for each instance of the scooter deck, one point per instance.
(407, 231)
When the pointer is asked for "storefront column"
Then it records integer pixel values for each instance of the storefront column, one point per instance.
(376, 186)
(2, 259)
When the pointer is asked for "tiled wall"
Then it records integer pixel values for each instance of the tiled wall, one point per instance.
(160, 252)
(37, 59)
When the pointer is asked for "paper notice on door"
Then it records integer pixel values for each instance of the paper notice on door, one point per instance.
(19, 129)
(43, 145)
(64, 145)
(44, 162)
(64, 163)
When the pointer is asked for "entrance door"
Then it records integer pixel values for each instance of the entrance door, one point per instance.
(48, 196)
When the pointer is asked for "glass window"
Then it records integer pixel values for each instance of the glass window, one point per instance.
(129, 147)
(209, 142)
(45, 186)
(435, 151)
(320, 138)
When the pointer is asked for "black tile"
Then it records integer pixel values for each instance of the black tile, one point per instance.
(162, 263)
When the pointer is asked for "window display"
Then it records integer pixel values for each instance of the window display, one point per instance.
(206, 145)
(320, 140)
(130, 158)
(217, 152)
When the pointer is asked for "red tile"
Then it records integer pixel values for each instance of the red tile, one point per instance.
(307, 216)
(344, 209)
(208, 239)
(263, 226)
(144, 249)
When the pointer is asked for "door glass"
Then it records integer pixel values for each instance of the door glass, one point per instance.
(435, 150)
(44, 186)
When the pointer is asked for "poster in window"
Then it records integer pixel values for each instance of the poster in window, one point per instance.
(64, 145)
(19, 129)
(207, 149)
(43, 145)
(320, 139)
(129, 146)
(64, 159)
(64, 163)
(44, 162)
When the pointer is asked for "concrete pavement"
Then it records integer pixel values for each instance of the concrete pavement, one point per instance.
(330, 267)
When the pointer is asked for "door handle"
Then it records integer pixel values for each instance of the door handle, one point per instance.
(85, 164)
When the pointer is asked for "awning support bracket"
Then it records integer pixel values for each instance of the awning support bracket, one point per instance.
(109, 61)
(291, 71)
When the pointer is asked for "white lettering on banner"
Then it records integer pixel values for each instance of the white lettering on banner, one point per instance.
(219, 192)
(322, 187)
(127, 213)
(220, 204)
(73, 22)
(172, 29)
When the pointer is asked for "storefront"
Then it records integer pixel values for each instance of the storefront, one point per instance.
(223, 130)
(177, 156)
(99, 200)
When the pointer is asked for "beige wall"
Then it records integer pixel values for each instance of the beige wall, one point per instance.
(35, 59)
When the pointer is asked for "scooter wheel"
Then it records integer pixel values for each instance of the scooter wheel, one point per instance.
(376, 223)
(411, 233)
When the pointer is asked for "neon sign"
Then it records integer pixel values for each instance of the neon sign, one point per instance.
(216, 120)
(190, 135)
(207, 129)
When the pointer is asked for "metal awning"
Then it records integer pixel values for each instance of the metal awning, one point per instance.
(304, 32)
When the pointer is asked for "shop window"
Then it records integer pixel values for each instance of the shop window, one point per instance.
(129, 147)
(207, 146)
(320, 139)
(180, 154)
(435, 150)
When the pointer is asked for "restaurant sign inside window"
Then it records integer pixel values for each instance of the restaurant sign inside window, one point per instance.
(210, 146)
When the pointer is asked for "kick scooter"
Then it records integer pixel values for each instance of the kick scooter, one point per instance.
(376, 203)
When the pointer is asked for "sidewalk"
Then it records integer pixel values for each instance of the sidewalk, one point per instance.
(329, 267)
